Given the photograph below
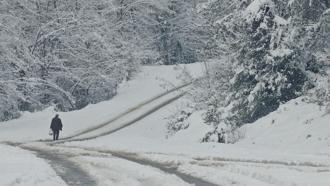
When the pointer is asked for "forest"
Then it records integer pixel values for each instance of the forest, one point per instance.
(259, 54)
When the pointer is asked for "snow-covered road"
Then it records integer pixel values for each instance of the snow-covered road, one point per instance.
(71, 163)
(71, 173)
(75, 172)
(86, 166)
(69, 170)
(22, 168)
(123, 142)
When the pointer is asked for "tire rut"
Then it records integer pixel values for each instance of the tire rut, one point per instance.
(70, 173)
(147, 113)
(91, 129)
(169, 169)
(266, 162)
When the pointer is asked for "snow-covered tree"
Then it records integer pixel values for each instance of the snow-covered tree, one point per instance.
(178, 37)
(272, 52)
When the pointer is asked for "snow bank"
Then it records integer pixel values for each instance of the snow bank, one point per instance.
(296, 126)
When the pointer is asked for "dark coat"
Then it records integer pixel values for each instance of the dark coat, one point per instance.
(56, 124)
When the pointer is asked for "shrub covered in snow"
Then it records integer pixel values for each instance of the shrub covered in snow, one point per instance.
(178, 120)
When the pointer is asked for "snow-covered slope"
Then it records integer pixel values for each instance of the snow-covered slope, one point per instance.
(150, 82)
(296, 129)
(294, 140)
(279, 154)
(296, 126)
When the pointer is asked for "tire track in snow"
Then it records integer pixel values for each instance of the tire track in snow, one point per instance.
(132, 157)
(70, 173)
(168, 169)
(266, 162)
(93, 128)
(126, 124)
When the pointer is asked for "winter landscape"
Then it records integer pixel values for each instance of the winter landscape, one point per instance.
(164, 92)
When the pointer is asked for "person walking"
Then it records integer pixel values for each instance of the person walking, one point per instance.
(56, 126)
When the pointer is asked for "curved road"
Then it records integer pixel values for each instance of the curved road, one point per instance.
(75, 176)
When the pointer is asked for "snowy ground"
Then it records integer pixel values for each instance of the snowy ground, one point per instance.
(279, 154)
(288, 147)
(150, 82)
(295, 127)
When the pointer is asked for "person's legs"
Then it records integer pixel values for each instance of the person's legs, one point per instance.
(57, 134)
(54, 135)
